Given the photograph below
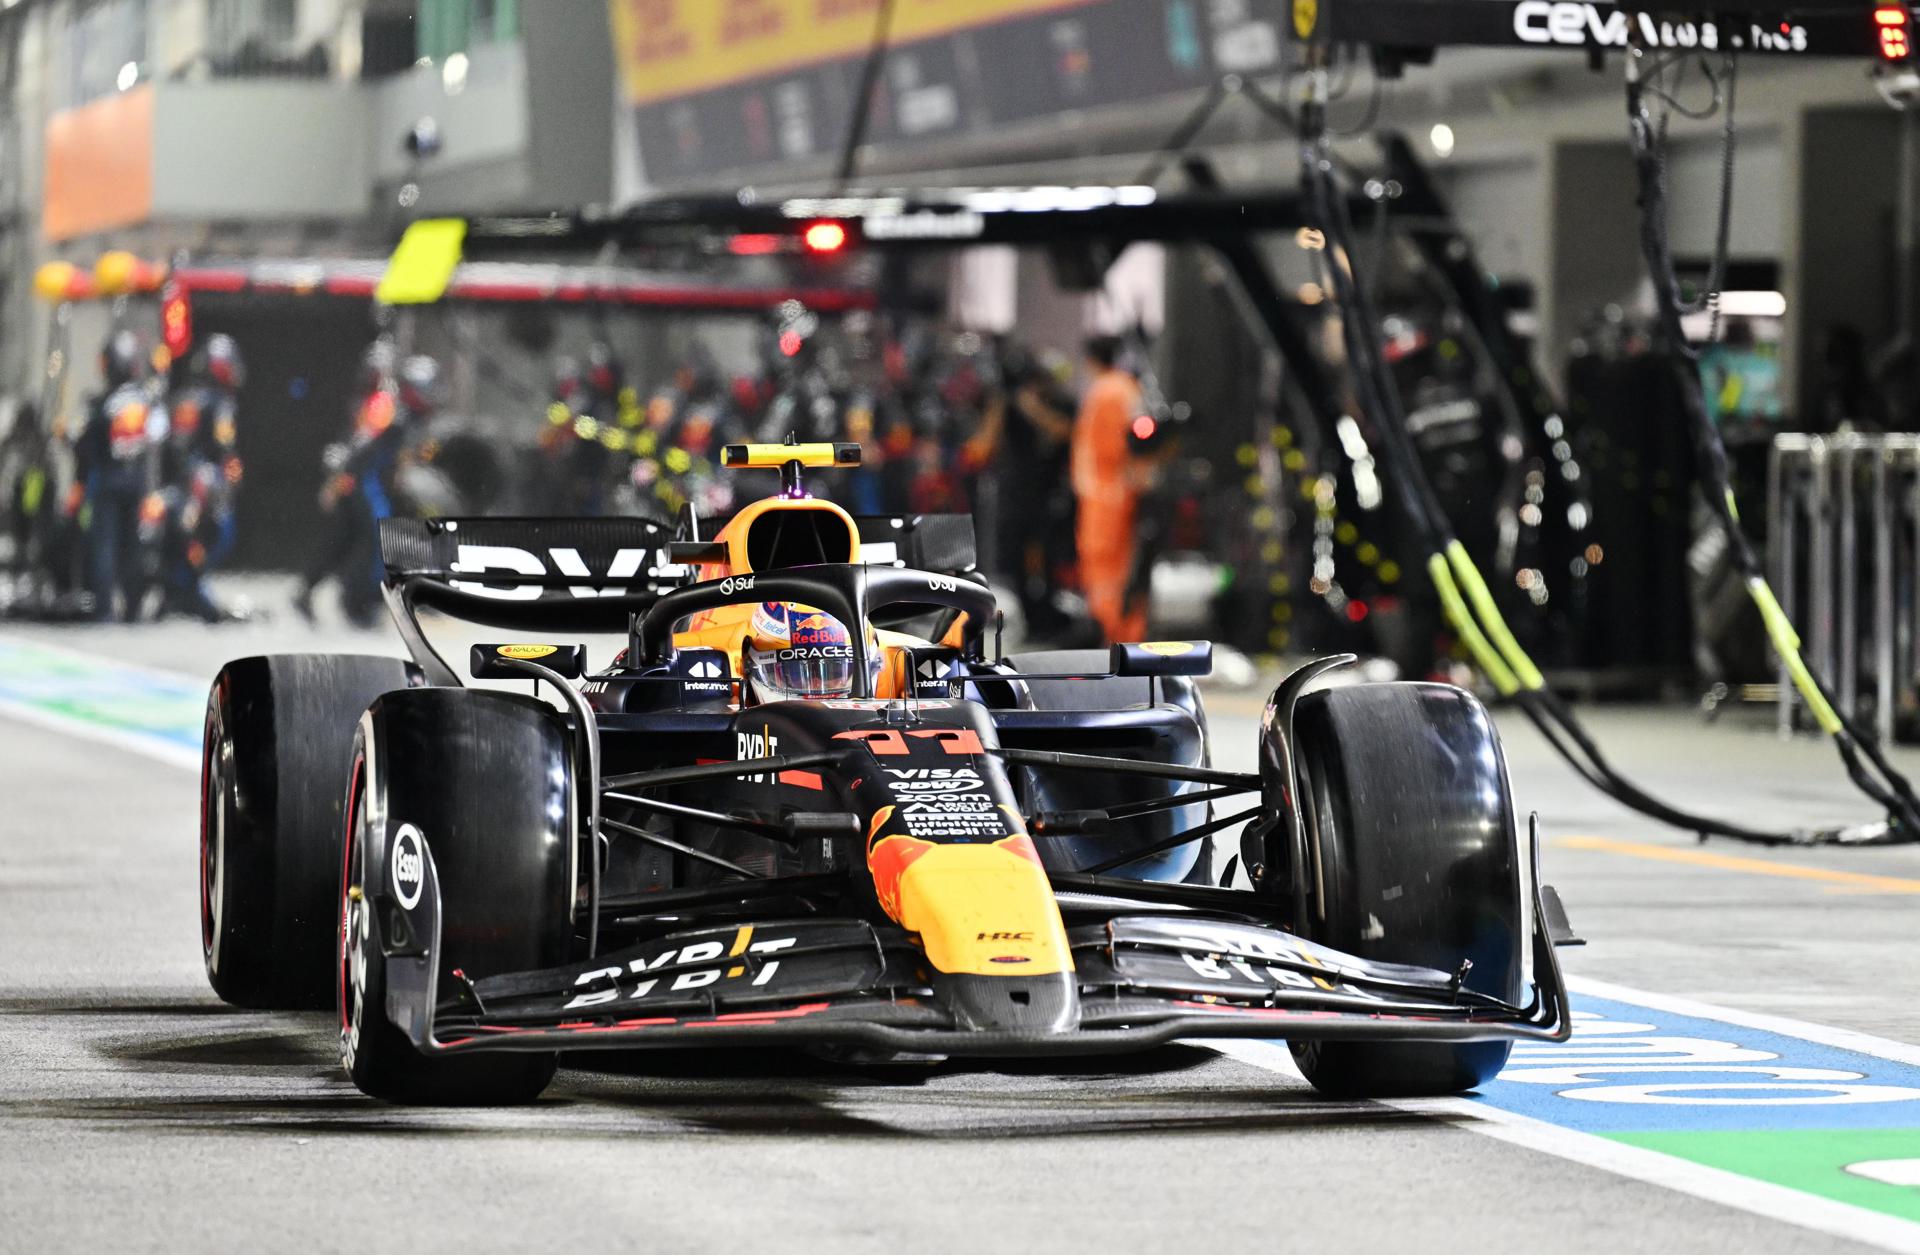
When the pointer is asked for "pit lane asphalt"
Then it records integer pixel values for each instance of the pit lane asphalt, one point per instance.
(138, 1113)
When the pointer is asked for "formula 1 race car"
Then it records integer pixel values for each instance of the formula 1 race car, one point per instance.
(807, 806)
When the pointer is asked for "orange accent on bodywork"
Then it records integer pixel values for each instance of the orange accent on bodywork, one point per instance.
(888, 861)
(953, 740)
(727, 627)
(724, 629)
(734, 534)
(877, 740)
(1023, 846)
(986, 910)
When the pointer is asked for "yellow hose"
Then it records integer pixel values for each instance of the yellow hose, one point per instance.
(1524, 671)
(1786, 642)
(1484, 654)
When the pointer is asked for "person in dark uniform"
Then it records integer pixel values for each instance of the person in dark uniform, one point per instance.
(1036, 512)
(358, 492)
(201, 472)
(580, 470)
(115, 461)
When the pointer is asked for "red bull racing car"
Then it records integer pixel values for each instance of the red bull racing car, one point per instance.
(810, 804)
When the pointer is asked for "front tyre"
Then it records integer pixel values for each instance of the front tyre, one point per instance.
(484, 781)
(1407, 804)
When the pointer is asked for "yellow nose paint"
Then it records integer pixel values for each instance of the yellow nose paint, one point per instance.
(987, 910)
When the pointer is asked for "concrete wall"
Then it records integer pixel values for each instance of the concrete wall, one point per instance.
(214, 158)
(1759, 208)
(1505, 200)
(570, 82)
(483, 126)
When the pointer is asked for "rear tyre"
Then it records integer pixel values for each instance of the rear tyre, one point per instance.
(273, 777)
(1406, 798)
(486, 780)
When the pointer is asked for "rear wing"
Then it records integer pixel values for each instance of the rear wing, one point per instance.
(562, 575)
(941, 543)
(557, 574)
(519, 567)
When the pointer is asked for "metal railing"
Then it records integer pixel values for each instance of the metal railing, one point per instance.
(1843, 532)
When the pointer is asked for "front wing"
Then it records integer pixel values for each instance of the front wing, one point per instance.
(1144, 979)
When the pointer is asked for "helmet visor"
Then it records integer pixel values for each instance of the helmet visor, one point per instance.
(802, 671)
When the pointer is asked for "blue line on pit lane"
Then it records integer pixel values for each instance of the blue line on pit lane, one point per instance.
(1631, 1069)
(100, 693)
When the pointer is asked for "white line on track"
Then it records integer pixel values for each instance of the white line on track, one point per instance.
(1715, 1185)
(153, 747)
(120, 738)
(106, 661)
(1820, 1034)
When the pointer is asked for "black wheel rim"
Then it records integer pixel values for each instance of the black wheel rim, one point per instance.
(215, 771)
(354, 920)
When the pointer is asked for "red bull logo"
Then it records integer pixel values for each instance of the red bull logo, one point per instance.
(817, 629)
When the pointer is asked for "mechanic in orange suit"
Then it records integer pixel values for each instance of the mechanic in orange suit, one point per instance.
(1107, 484)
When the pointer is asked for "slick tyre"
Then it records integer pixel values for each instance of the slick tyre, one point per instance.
(481, 781)
(1407, 804)
(277, 744)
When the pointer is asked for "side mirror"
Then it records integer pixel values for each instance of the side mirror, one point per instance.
(493, 662)
(1162, 658)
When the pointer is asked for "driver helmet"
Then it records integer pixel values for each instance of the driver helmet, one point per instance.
(794, 652)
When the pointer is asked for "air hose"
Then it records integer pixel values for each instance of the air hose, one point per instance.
(1859, 751)
(1465, 598)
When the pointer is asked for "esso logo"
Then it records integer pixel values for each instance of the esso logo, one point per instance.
(409, 866)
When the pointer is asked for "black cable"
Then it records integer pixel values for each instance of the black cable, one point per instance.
(1417, 499)
(1890, 789)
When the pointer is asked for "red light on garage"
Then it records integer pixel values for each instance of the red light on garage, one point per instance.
(1356, 611)
(1895, 43)
(753, 245)
(790, 343)
(1144, 427)
(825, 237)
(176, 321)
